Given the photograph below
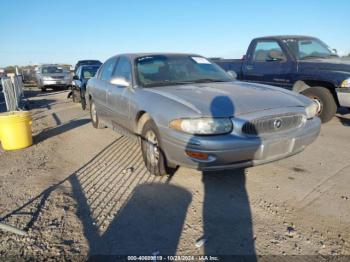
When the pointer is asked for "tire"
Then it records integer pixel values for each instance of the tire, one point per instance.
(326, 100)
(83, 104)
(82, 99)
(76, 96)
(94, 117)
(43, 89)
(152, 154)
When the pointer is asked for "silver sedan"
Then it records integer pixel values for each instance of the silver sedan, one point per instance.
(187, 111)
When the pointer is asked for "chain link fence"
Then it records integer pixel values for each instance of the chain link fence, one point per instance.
(13, 92)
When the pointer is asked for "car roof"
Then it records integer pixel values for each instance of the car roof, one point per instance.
(282, 37)
(88, 61)
(136, 55)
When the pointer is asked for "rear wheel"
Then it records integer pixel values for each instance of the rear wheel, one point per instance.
(76, 96)
(324, 98)
(82, 99)
(152, 154)
(94, 117)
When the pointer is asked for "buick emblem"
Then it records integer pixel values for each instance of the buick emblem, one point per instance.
(277, 123)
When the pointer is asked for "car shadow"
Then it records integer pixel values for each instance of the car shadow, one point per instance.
(61, 128)
(125, 210)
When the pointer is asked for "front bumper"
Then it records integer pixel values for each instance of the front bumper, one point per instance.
(58, 82)
(232, 151)
(343, 96)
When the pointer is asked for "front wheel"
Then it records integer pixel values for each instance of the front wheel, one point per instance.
(152, 154)
(325, 99)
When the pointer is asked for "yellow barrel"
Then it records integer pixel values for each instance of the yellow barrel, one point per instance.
(15, 130)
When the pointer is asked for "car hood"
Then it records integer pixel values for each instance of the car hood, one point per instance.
(229, 98)
(331, 64)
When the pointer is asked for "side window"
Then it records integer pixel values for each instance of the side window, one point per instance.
(123, 69)
(107, 69)
(267, 51)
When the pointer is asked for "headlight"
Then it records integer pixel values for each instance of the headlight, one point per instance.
(203, 126)
(345, 83)
(312, 110)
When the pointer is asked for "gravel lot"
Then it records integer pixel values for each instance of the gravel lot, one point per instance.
(79, 191)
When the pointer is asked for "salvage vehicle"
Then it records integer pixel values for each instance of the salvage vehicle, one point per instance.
(303, 64)
(188, 111)
(52, 76)
(83, 74)
(86, 62)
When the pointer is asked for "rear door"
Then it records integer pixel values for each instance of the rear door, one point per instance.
(99, 93)
(117, 97)
(262, 67)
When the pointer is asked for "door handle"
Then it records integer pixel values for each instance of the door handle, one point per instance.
(250, 67)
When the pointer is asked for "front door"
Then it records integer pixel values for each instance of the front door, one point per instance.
(117, 97)
(268, 64)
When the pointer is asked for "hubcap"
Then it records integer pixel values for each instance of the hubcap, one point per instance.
(93, 113)
(319, 104)
(152, 147)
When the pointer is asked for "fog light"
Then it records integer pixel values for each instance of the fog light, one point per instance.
(197, 155)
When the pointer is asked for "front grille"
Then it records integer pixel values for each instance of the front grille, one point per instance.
(273, 124)
(57, 77)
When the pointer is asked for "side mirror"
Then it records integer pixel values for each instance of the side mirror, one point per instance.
(75, 77)
(120, 81)
(232, 74)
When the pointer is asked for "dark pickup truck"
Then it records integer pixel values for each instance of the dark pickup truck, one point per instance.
(300, 63)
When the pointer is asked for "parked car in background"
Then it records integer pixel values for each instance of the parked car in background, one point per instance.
(86, 62)
(83, 74)
(52, 76)
(303, 64)
(188, 111)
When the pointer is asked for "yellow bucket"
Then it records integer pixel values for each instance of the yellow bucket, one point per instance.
(15, 130)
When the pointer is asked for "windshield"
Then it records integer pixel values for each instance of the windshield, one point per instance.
(160, 70)
(309, 48)
(89, 72)
(51, 70)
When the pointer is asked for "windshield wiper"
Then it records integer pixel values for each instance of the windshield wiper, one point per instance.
(168, 83)
(207, 80)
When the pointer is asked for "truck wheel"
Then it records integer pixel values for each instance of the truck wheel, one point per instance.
(324, 97)
(152, 154)
(94, 117)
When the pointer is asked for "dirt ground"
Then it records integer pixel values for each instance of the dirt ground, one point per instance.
(80, 192)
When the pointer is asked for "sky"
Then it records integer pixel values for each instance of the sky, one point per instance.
(64, 31)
